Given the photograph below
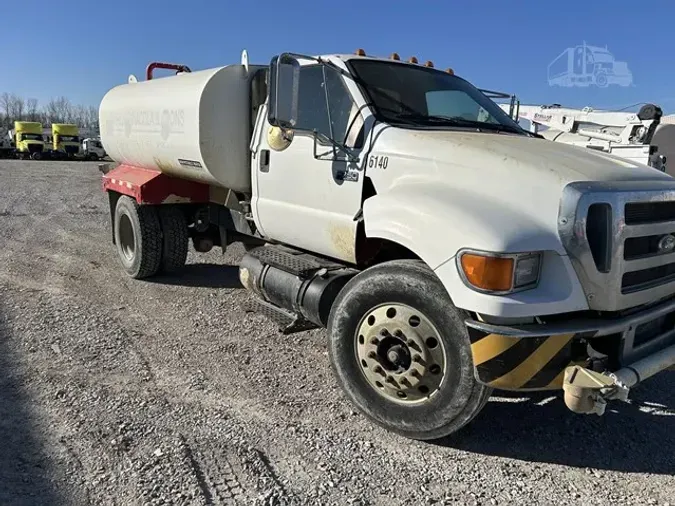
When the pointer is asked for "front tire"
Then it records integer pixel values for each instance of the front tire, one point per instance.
(401, 353)
(138, 238)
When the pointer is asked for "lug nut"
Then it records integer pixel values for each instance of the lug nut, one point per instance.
(372, 355)
(416, 374)
(379, 370)
(375, 341)
(418, 359)
(384, 332)
(399, 333)
(406, 382)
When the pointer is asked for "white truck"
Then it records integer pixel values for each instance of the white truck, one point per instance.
(635, 136)
(446, 250)
(92, 149)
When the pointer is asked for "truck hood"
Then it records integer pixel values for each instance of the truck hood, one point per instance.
(516, 158)
(500, 191)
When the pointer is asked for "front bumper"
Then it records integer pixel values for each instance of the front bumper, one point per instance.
(535, 356)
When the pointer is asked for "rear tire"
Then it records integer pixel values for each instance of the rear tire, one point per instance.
(175, 238)
(138, 238)
(403, 307)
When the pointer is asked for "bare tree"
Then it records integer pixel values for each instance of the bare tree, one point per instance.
(32, 109)
(17, 107)
(51, 112)
(6, 104)
(57, 110)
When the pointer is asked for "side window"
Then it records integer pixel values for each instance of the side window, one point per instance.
(313, 114)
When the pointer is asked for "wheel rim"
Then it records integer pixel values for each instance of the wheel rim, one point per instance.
(127, 239)
(400, 353)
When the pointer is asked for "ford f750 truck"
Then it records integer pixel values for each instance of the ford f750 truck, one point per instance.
(447, 251)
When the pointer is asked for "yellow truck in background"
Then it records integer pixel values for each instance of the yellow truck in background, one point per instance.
(65, 140)
(28, 139)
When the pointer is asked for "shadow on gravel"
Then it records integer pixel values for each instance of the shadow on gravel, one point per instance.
(636, 437)
(24, 468)
(202, 275)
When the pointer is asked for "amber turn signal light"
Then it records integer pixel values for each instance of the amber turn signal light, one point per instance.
(494, 274)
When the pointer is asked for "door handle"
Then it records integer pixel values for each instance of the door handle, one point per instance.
(265, 160)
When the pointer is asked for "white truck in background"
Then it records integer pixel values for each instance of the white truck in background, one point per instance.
(447, 250)
(6, 143)
(645, 137)
(92, 149)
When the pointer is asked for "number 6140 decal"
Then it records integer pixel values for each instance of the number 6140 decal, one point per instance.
(379, 162)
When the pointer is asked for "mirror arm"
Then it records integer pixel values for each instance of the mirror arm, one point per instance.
(336, 145)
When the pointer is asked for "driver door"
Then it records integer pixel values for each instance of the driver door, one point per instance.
(307, 194)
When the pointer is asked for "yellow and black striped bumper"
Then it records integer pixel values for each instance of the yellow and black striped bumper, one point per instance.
(522, 363)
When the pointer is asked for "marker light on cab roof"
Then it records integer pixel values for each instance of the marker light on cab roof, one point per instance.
(360, 52)
(413, 59)
(395, 56)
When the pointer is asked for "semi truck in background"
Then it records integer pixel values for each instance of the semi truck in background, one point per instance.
(447, 251)
(28, 141)
(65, 139)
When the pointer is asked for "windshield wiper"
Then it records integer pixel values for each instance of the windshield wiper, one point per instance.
(459, 121)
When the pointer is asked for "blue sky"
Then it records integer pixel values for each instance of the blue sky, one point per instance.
(505, 46)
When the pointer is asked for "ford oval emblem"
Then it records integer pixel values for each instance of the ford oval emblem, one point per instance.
(666, 243)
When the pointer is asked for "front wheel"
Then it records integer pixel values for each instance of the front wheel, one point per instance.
(401, 353)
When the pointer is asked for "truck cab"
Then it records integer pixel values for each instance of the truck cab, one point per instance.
(28, 139)
(65, 140)
(447, 251)
(92, 149)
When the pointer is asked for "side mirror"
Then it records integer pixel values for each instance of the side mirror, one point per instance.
(284, 86)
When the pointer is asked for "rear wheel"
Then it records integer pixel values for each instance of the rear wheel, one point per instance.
(138, 238)
(174, 238)
(401, 352)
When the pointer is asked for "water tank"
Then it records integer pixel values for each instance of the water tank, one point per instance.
(193, 125)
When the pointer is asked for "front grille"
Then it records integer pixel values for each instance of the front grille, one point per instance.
(613, 234)
(649, 212)
(646, 278)
(643, 247)
(71, 150)
(35, 148)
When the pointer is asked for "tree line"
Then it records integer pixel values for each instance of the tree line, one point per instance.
(58, 110)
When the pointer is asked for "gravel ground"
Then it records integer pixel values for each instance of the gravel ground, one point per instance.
(115, 391)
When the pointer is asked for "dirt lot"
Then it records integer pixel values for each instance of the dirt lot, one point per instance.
(115, 391)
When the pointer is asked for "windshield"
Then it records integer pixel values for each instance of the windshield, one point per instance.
(424, 96)
(31, 137)
(67, 138)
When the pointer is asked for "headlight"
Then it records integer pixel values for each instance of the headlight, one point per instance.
(499, 273)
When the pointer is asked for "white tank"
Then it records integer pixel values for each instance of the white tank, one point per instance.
(192, 125)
